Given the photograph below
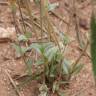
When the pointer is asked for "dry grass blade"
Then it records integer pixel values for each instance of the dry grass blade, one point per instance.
(29, 11)
(58, 16)
(79, 58)
(23, 25)
(48, 25)
(78, 33)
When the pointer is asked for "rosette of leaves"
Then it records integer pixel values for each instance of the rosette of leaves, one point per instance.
(53, 62)
(50, 59)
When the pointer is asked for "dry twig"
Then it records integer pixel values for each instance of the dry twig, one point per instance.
(13, 83)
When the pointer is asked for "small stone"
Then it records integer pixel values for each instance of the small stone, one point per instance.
(7, 34)
(8, 89)
(83, 23)
(5, 79)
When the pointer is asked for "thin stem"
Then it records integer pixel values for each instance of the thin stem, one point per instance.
(41, 19)
(24, 26)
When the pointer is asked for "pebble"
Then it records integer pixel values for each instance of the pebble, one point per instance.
(7, 34)
(84, 24)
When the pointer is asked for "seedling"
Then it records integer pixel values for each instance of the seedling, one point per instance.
(53, 66)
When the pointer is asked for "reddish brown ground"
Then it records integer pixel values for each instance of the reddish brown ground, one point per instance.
(81, 85)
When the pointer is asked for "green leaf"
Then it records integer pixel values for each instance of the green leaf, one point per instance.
(40, 48)
(65, 38)
(22, 38)
(51, 53)
(25, 37)
(52, 6)
(29, 66)
(23, 50)
(35, 46)
(66, 65)
(19, 50)
(93, 43)
(77, 68)
(47, 46)
(28, 34)
(40, 62)
(53, 70)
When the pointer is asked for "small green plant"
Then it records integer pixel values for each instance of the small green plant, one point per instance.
(53, 62)
(52, 67)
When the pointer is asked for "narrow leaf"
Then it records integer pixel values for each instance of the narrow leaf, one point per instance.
(93, 43)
